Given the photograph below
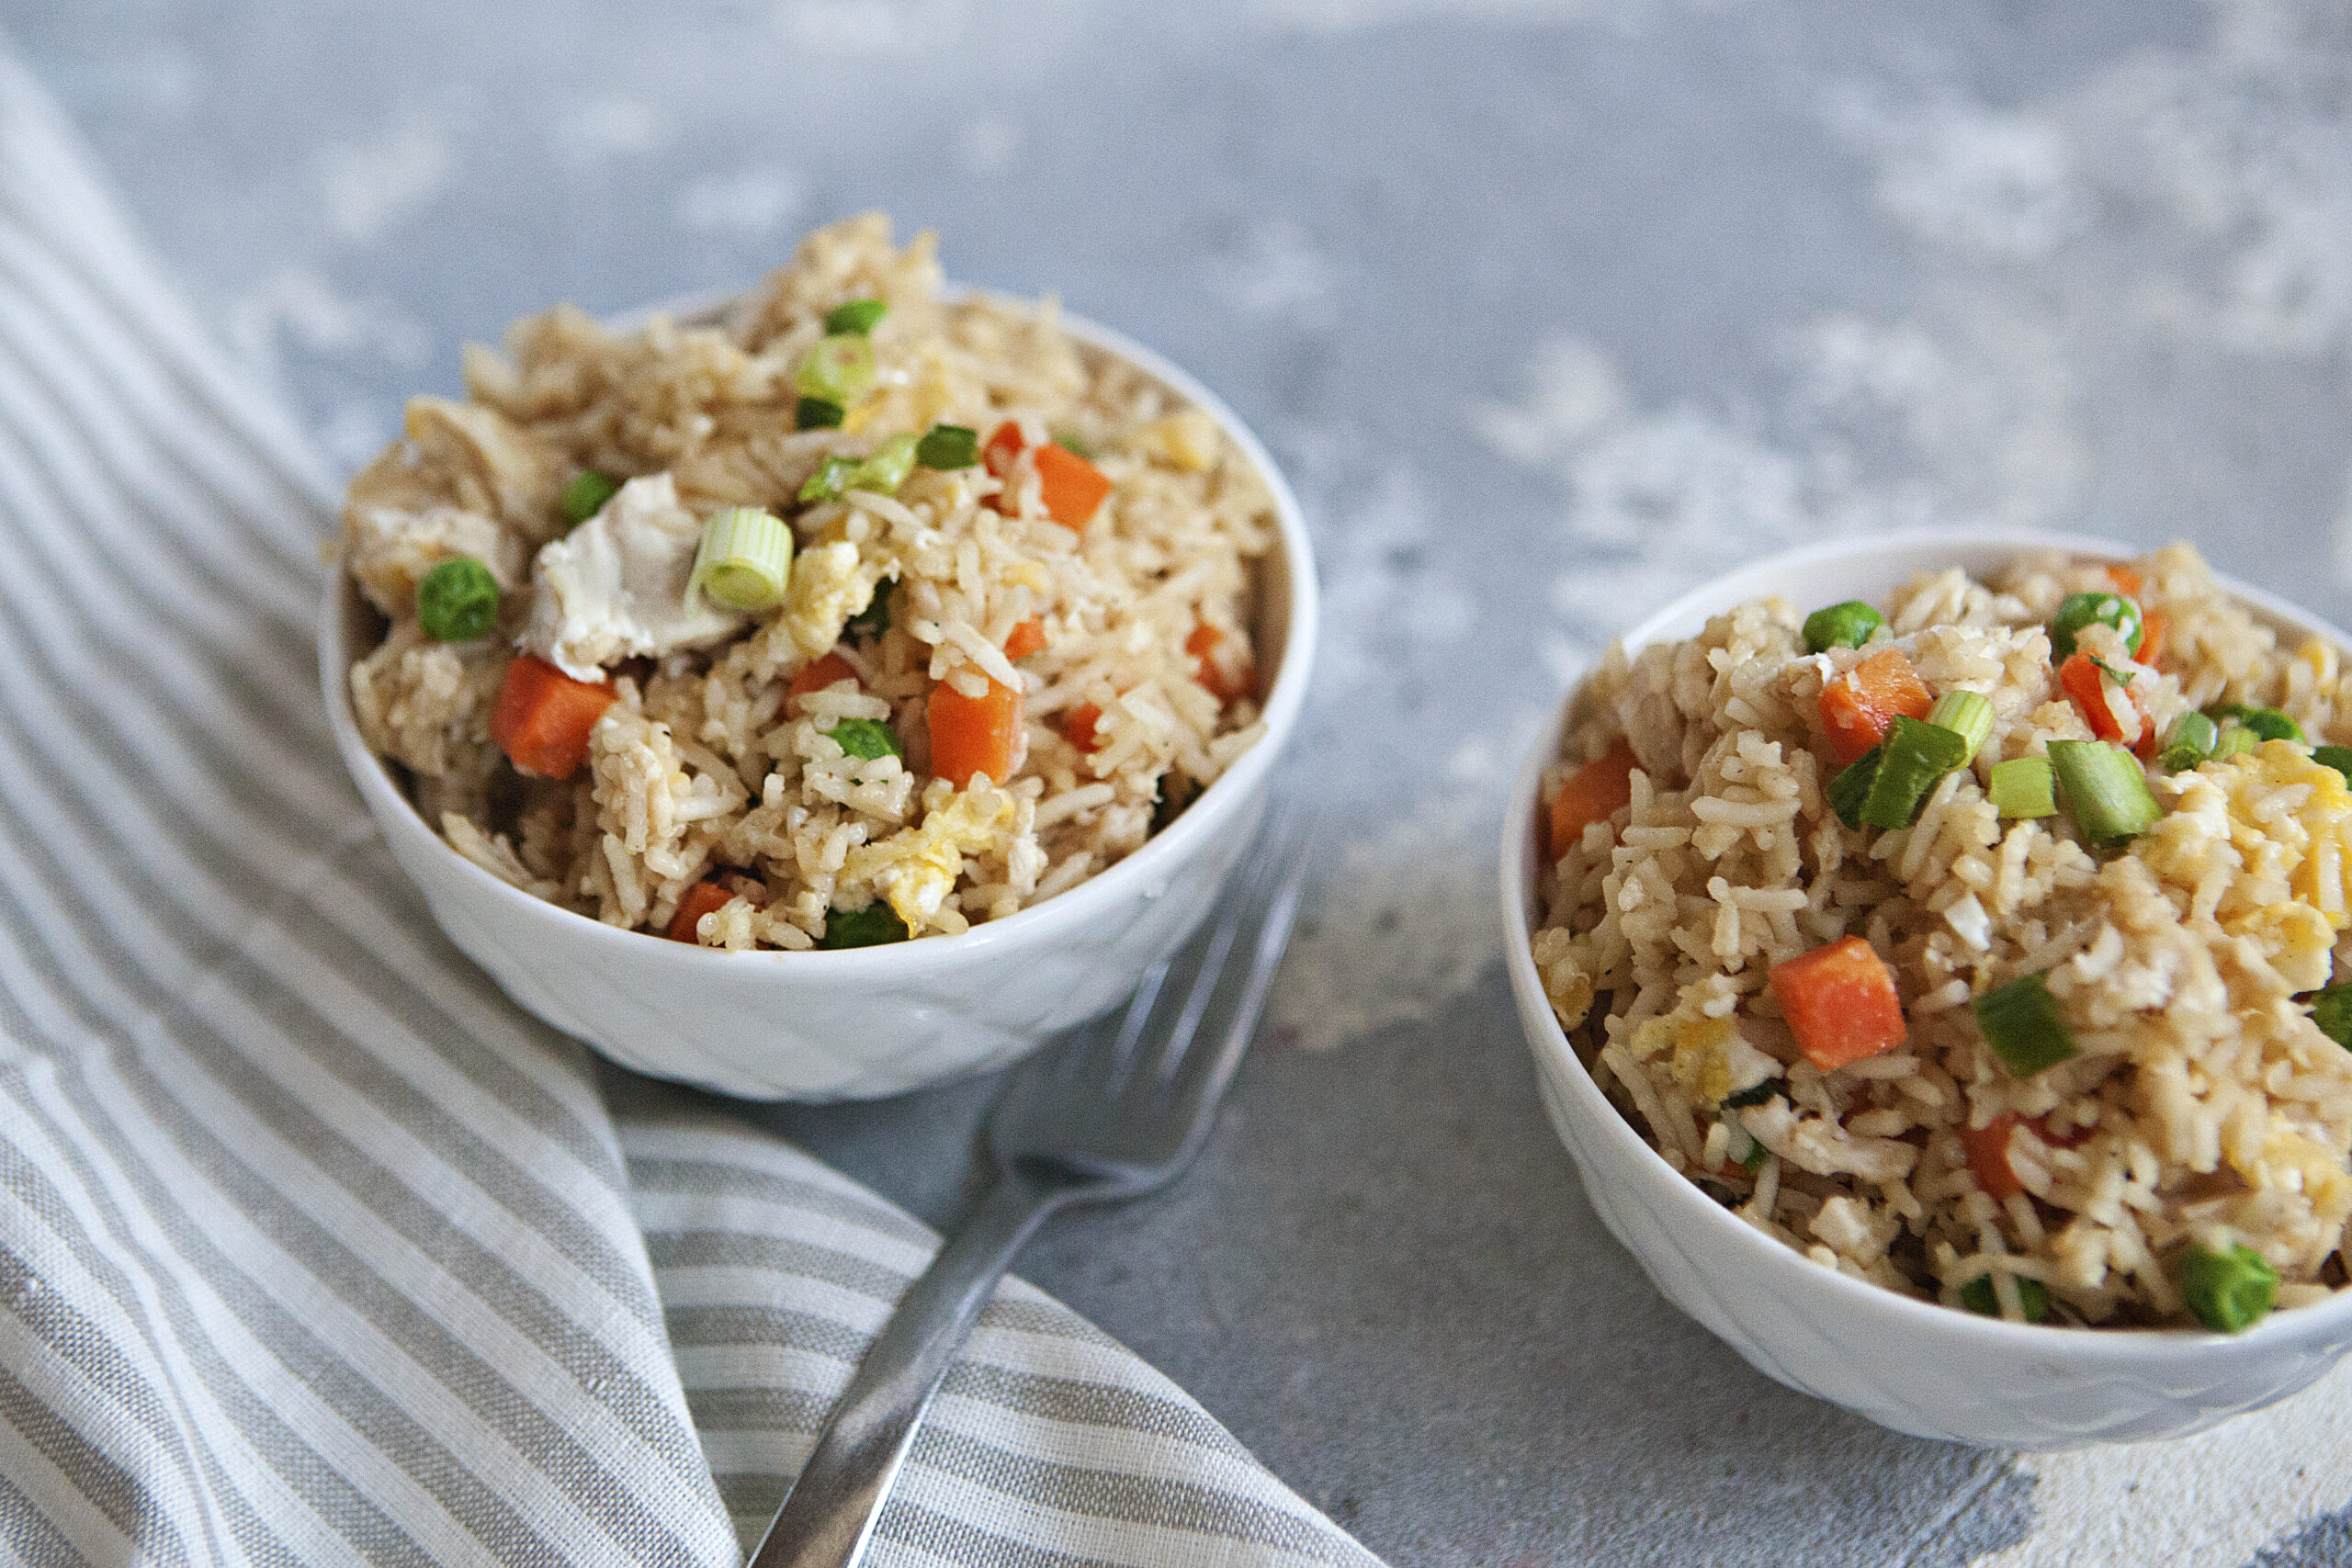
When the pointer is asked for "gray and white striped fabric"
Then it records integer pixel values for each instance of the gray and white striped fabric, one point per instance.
(313, 1248)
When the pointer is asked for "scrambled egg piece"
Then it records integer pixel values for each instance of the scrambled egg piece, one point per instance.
(915, 868)
(1710, 1058)
(1187, 441)
(827, 589)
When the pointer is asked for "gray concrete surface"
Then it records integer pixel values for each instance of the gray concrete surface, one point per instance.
(1548, 308)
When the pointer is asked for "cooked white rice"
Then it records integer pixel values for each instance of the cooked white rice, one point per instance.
(705, 768)
(2205, 1108)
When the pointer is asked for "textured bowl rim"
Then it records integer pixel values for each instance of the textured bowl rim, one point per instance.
(1096, 897)
(1690, 1206)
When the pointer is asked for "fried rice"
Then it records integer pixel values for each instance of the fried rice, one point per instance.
(719, 764)
(2205, 1110)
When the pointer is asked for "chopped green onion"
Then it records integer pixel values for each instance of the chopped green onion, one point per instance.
(830, 479)
(948, 446)
(859, 316)
(2268, 724)
(1852, 787)
(2189, 741)
(2121, 677)
(1746, 1151)
(1770, 1089)
(2236, 741)
(2024, 787)
(875, 619)
(1916, 756)
(839, 369)
(1841, 625)
(818, 413)
(2331, 1010)
(584, 496)
(866, 739)
(2107, 791)
(458, 600)
(746, 559)
(2337, 757)
(1968, 715)
(2077, 612)
(2230, 1292)
(1071, 441)
(887, 466)
(1979, 1297)
(870, 927)
(2021, 1022)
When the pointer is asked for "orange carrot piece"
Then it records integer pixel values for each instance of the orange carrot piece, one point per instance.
(973, 735)
(1083, 726)
(1840, 1003)
(544, 715)
(1072, 489)
(820, 673)
(1026, 638)
(2127, 581)
(1592, 793)
(2087, 684)
(1225, 684)
(702, 899)
(1859, 707)
(2154, 629)
(1988, 1157)
(1004, 443)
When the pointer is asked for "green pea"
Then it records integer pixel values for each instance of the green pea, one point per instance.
(1848, 625)
(458, 600)
(585, 496)
(2079, 610)
(2230, 1292)
(948, 446)
(871, 926)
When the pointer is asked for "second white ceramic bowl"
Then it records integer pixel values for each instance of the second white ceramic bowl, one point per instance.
(1908, 1364)
(878, 1021)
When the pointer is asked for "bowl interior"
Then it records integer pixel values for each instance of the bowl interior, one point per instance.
(1818, 575)
(1286, 615)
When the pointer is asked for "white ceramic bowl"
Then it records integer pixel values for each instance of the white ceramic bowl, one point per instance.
(1907, 1364)
(867, 1022)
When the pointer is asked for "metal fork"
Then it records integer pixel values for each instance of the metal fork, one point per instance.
(1111, 1115)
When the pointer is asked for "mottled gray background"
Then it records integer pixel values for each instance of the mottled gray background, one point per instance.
(1547, 308)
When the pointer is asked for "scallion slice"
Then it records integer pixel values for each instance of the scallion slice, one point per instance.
(1746, 1151)
(2107, 791)
(1852, 787)
(858, 316)
(2230, 1292)
(1070, 441)
(2189, 741)
(584, 496)
(866, 739)
(2024, 787)
(870, 927)
(948, 446)
(1916, 756)
(2337, 757)
(830, 479)
(2021, 1022)
(458, 600)
(2078, 612)
(2331, 1010)
(746, 559)
(875, 619)
(1848, 625)
(887, 466)
(2268, 724)
(818, 413)
(839, 369)
(1968, 715)
(1769, 1088)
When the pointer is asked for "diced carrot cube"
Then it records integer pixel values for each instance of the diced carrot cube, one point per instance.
(2094, 695)
(702, 899)
(1004, 443)
(544, 715)
(1988, 1157)
(2154, 629)
(1858, 706)
(1840, 1003)
(1592, 793)
(1071, 488)
(820, 673)
(1223, 682)
(973, 735)
(1026, 638)
(2127, 581)
(1082, 726)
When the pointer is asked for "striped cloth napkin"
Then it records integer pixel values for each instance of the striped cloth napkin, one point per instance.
(313, 1248)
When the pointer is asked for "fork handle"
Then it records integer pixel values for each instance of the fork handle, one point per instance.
(828, 1515)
